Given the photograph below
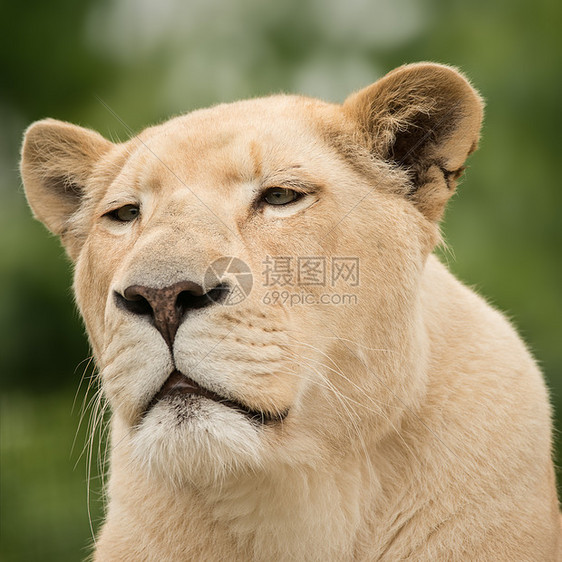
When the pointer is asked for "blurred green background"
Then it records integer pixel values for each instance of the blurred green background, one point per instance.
(150, 59)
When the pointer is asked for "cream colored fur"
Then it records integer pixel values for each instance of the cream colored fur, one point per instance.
(418, 424)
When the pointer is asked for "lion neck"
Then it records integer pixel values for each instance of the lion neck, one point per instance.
(286, 512)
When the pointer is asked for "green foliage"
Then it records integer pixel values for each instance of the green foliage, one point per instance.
(150, 60)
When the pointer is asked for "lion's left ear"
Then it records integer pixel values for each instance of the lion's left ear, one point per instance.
(57, 160)
(426, 119)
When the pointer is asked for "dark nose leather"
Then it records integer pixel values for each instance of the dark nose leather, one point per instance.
(167, 307)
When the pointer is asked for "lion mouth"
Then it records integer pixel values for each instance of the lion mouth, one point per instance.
(178, 384)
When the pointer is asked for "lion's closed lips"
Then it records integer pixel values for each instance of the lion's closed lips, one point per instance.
(178, 384)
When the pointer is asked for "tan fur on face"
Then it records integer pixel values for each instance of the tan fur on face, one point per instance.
(415, 424)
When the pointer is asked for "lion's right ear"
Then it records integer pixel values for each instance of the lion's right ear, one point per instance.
(57, 160)
(424, 118)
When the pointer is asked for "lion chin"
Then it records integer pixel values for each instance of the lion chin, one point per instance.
(291, 372)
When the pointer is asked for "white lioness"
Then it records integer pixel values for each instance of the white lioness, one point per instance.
(408, 424)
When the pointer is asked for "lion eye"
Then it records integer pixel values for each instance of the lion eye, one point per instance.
(280, 196)
(126, 213)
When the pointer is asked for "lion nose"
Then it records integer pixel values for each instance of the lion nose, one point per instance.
(167, 307)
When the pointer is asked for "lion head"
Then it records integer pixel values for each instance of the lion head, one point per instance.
(202, 382)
